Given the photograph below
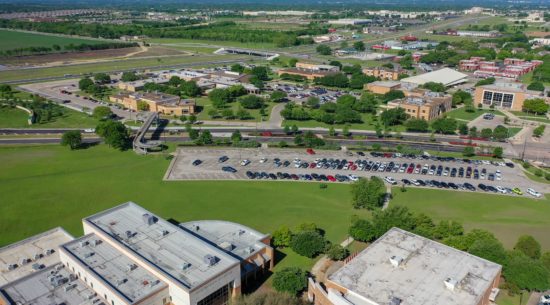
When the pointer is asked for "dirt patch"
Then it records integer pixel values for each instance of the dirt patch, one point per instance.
(158, 51)
(65, 57)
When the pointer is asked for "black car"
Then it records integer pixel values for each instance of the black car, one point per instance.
(421, 182)
(510, 164)
(362, 154)
(492, 188)
(406, 181)
(229, 169)
(470, 187)
(482, 187)
(280, 175)
(453, 172)
(197, 162)
(444, 184)
(453, 186)
(223, 159)
(286, 163)
(250, 175)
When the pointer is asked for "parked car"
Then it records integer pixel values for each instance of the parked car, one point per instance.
(390, 180)
(517, 191)
(197, 162)
(229, 169)
(223, 159)
(533, 193)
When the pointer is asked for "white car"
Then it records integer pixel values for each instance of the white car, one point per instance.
(390, 180)
(245, 162)
(353, 178)
(415, 182)
(545, 299)
(263, 160)
(501, 189)
(89, 130)
(533, 193)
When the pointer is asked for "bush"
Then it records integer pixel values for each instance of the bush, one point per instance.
(526, 273)
(337, 253)
(362, 230)
(282, 237)
(368, 193)
(308, 243)
(529, 246)
(290, 279)
(539, 172)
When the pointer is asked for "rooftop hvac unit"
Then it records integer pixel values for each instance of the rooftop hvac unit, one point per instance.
(210, 260)
(149, 219)
(59, 267)
(121, 281)
(450, 283)
(91, 295)
(25, 261)
(12, 267)
(37, 256)
(185, 266)
(241, 232)
(58, 281)
(395, 301)
(227, 246)
(128, 234)
(37, 266)
(96, 242)
(69, 287)
(49, 251)
(89, 254)
(72, 277)
(164, 232)
(396, 261)
(96, 301)
(131, 267)
(84, 243)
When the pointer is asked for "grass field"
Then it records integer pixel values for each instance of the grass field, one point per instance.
(47, 186)
(366, 125)
(206, 105)
(220, 43)
(461, 114)
(507, 217)
(15, 118)
(13, 40)
(24, 74)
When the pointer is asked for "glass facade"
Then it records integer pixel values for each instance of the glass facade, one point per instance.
(218, 297)
(498, 99)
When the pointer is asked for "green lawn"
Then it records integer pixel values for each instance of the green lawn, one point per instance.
(13, 40)
(220, 43)
(206, 105)
(504, 299)
(366, 125)
(461, 114)
(47, 186)
(532, 117)
(15, 118)
(506, 216)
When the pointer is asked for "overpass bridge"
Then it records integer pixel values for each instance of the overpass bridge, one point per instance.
(140, 144)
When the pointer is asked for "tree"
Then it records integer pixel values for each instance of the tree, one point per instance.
(294, 129)
(142, 106)
(536, 86)
(539, 131)
(290, 279)
(368, 193)
(444, 125)
(525, 272)
(286, 129)
(72, 138)
(102, 112)
(323, 49)
(392, 117)
(261, 72)
(114, 134)
(236, 136)
(345, 131)
(536, 105)
(394, 216)
(281, 237)
(486, 133)
(308, 243)
(129, 77)
(393, 95)
(468, 151)
(237, 68)
(498, 152)
(85, 83)
(205, 138)
(102, 78)
(545, 259)
(490, 249)
(192, 119)
(362, 230)
(278, 96)
(461, 97)
(435, 87)
(418, 125)
(528, 246)
(336, 252)
(500, 133)
(251, 101)
(313, 102)
(359, 46)
(339, 80)
(292, 62)
(463, 129)
(219, 97)
(487, 81)
(191, 89)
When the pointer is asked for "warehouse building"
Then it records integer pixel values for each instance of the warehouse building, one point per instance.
(129, 256)
(404, 268)
(446, 76)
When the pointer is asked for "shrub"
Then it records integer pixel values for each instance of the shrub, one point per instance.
(337, 253)
(290, 279)
(538, 172)
(307, 243)
(362, 230)
(282, 237)
(526, 273)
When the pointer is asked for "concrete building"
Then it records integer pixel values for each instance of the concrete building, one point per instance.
(506, 95)
(403, 268)
(350, 21)
(316, 67)
(426, 106)
(510, 68)
(309, 71)
(482, 34)
(383, 73)
(138, 84)
(382, 87)
(157, 102)
(129, 256)
(446, 76)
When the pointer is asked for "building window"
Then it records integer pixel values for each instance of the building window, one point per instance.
(487, 97)
(497, 98)
(218, 297)
(507, 100)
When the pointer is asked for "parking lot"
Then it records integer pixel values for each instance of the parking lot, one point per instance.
(341, 167)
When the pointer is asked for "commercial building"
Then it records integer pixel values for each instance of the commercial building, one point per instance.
(383, 73)
(510, 68)
(506, 95)
(309, 71)
(382, 87)
(138, 84)
(404, 268)
(156, 102)
(350, 21)
(129, 256)
(483, 34)
(446, 76)
(424, 105)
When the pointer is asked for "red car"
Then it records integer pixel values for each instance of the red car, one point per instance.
(410, 169)
(331, 178)
(310, 151)
(353, 167)
(312, 165)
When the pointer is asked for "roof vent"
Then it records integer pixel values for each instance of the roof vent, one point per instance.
(121, 281)
(96, 242)
(129, 234)
(210, 260)
(395, 301)
(450, 283)
(89, 254)
(37, 256)
(227, 246)
(84, 243)
(149, 219)
(49, 251)
(12, 267)
(131, 267)
(241, 232)
(37, 266)
(25, 261)
(396, 261)
(185, 266)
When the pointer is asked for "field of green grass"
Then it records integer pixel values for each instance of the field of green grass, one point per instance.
(366, 125)
(15, 118)
(206, 105)
(13, 40)
(216, 43)
(461, 114)
(506, 216)
(47, 186)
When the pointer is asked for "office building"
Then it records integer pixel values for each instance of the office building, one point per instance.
(383, 73)
(423, 105)
(509, 96)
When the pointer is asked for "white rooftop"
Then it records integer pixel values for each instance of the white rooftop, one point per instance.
(417, 271)
(231, 237)
(446, 76)
(53, 285)
(131, 281)
(29, 255)
(183, 257)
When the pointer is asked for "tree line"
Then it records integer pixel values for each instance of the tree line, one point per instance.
(68, 48)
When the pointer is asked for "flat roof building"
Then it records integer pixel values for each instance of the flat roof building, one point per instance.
(382, 87)
(383, 73)
(309, 71)
(446, 76)
(506, 95)
(426, 106)
(129, 256)
(404, 268)
(157, 102)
